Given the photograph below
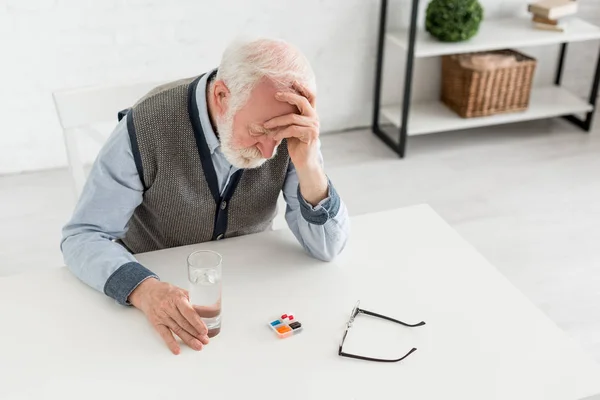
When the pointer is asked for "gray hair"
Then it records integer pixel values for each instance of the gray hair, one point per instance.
(245, 63)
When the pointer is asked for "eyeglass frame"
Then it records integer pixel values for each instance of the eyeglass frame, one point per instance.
(354, 314)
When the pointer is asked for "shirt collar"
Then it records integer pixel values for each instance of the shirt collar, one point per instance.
(209, 134)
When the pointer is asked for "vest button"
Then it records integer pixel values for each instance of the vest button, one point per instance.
(223, 205)
(220, 236)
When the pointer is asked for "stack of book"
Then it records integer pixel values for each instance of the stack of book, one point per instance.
(547, 14)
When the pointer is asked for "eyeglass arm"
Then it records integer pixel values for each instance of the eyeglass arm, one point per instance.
(372, 314)
(343, 354)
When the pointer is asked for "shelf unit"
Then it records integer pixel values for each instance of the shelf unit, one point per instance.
(433, 116)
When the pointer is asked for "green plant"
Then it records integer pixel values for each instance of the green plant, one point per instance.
(453, 20)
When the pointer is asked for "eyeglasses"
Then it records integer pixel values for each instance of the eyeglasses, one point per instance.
(357, 311)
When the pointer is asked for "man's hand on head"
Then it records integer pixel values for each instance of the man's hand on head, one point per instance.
(302, 133)
(168, 309)
(301, 129)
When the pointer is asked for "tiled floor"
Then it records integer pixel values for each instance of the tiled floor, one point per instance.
(527, 196)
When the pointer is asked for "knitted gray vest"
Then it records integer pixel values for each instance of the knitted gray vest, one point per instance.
(182, 204)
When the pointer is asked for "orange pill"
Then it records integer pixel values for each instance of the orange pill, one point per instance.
(284, 329)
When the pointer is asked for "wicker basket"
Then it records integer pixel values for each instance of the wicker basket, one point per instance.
(477, 93)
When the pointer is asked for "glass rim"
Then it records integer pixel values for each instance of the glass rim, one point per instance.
(219, 257)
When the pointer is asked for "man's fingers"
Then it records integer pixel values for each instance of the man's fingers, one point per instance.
(290, 119)
(192, 317)
(184, 323)
(167, 336)
(303, 90)
(300, 102)
(184, 335)
(302, 133)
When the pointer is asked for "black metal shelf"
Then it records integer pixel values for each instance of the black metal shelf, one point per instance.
(399, 146)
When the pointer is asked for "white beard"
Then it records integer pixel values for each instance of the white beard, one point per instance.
(245, 158)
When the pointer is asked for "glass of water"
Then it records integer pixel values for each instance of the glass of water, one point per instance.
(204, 275)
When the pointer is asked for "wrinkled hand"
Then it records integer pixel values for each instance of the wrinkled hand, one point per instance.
(168, 309)
(301, 130)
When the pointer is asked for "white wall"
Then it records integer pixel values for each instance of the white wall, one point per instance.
(52, 44)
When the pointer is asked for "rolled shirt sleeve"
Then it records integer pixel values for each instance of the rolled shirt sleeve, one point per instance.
(111, 194)
(322, 230)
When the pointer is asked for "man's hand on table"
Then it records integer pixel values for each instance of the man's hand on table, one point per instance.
(168, 309)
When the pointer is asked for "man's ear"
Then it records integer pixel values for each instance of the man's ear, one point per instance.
(221, 96)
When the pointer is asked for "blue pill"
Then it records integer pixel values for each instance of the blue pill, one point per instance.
(275, 323)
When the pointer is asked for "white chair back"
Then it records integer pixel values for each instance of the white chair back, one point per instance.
(79, 109)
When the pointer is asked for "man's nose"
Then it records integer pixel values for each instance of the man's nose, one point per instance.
(267, 147)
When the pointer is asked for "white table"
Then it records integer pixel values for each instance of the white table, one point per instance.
(483, 338)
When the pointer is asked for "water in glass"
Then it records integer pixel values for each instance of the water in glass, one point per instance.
(205, 296)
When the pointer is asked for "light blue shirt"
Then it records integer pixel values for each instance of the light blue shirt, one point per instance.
(114, 190)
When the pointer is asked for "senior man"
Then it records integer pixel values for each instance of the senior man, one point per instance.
(203, 159)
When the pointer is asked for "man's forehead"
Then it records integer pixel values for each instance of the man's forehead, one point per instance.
(267, 88)
(266, 106)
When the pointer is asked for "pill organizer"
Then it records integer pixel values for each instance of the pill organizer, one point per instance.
(286, 326)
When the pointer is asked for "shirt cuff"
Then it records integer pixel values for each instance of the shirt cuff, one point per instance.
(322, 212)
(124, 281)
